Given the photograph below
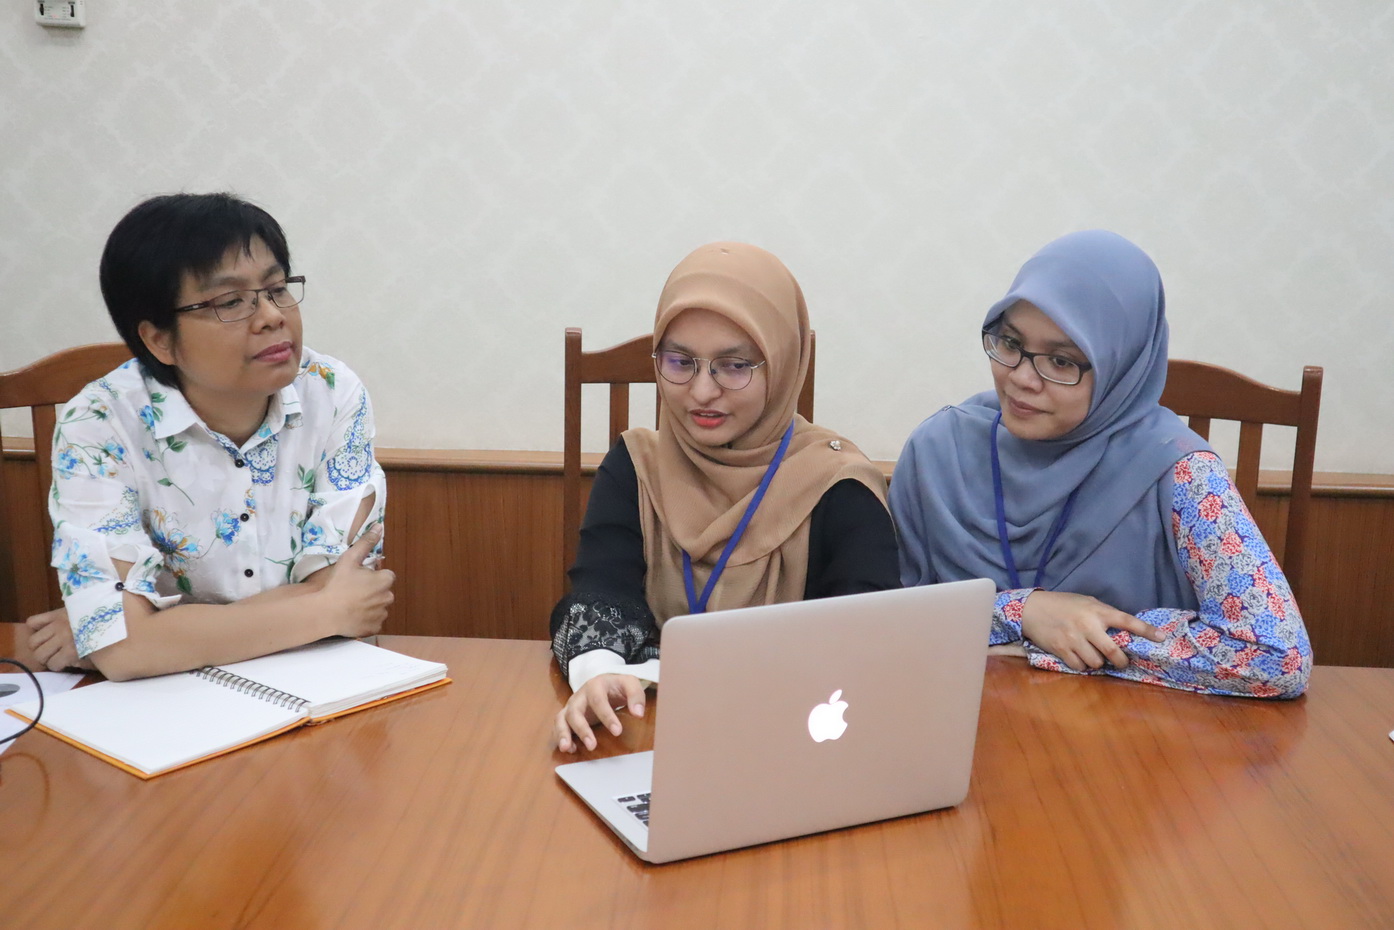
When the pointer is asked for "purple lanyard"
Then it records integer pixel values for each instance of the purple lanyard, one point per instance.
(1002, 521)
(698, 606)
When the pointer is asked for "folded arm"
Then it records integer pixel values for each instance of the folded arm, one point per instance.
(1248, 637)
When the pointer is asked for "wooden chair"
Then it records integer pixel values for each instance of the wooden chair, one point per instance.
(42, 386)
(1204, 392)
(618, 366)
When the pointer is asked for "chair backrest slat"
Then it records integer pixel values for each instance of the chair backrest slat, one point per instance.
(618, 366)
(619, 411)
(1246, 470)
(1204, 392)
(44, 418)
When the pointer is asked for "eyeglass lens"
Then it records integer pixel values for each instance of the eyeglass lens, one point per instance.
(238, 305)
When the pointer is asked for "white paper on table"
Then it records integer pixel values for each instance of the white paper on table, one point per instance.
(52, 683)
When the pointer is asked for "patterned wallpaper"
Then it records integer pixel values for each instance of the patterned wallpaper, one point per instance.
(460, 181)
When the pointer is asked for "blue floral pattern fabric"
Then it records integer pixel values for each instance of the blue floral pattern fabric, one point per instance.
(1248, 637)
(139, 478)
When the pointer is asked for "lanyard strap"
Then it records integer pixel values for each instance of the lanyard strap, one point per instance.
(1051, 538)
(696, 605)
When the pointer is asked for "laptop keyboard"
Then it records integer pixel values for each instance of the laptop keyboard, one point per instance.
(636, 804)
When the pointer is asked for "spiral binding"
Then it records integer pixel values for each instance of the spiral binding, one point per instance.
(251, 688)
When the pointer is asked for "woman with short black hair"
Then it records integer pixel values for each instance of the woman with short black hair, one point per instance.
(215, 498)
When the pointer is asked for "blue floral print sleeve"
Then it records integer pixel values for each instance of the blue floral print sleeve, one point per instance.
(1006, 616)
(346, 473)
(1247, 638)
(138, 478)
(96, 513)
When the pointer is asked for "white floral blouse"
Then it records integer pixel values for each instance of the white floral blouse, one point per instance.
(139, 478)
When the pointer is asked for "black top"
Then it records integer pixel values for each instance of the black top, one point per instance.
(851, 550)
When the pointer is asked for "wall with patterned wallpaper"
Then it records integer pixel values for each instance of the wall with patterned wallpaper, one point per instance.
(461, 180)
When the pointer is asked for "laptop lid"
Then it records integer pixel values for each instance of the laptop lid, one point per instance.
(789, 719)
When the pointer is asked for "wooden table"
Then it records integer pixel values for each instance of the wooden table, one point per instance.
(1094, 803)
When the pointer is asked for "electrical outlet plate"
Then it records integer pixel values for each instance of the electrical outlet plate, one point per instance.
(67, 14)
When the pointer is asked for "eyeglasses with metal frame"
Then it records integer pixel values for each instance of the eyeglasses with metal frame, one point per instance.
(730, 372)
(235, 306)
(1053, 367)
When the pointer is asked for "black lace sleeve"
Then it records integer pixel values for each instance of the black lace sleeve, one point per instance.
(582, 622)
(606, 608)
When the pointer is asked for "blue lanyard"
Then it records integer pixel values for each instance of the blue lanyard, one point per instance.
(696, 605)
(1002, 520)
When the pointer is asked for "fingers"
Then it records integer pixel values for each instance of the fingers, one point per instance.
(1109, 649)
(633, 694)
(563, 731)
(599, 699)
(42, 653)
(1136, 626)
(41, 637)
(39, 621)
(52, 643)
(593, 703)
(363, 548)
(49, 654)
(65, 657)
(574, 718)
(1081, 658)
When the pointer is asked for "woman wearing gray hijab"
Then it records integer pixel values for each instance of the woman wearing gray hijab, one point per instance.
(1117, 540)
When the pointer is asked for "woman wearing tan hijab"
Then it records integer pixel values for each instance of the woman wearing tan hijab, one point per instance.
(734, 501)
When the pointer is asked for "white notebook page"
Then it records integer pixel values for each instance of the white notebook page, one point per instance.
(154, 724)
(338, 674)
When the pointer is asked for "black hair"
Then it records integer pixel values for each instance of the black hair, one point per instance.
(161, 240)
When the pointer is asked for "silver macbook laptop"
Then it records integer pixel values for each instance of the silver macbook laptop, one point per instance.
(791, 719)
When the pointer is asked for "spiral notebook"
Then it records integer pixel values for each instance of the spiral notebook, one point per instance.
(155, 725)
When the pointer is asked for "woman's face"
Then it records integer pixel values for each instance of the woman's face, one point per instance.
(1032, 407)
(255, 357)
(713, 415)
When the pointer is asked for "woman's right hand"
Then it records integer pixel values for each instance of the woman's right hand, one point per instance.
(1074, 628)
(51, 641)
(594, 702)
(356, 597)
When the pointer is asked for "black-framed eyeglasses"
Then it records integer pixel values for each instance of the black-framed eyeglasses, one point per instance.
(728, 371)
(1008, 350)
(238, 305)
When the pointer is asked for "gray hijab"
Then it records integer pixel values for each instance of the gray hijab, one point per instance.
(1118, 546)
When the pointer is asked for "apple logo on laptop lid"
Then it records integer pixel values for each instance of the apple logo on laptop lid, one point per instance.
(825, 720)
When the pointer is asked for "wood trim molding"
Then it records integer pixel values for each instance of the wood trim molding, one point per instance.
(476, 541)
(523, 462)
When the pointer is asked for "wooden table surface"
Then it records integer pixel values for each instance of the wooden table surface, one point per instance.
(1094, 803)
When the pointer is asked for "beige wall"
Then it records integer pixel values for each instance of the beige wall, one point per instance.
(462, 180)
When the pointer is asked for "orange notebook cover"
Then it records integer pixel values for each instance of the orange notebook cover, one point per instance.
(156, 725)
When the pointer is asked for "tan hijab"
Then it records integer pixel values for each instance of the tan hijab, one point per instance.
(691, 496)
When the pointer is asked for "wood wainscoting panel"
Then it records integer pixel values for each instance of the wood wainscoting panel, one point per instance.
(501, 569)
(478, 552)
(23, 556)
(1348, 603)
(475, 540)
